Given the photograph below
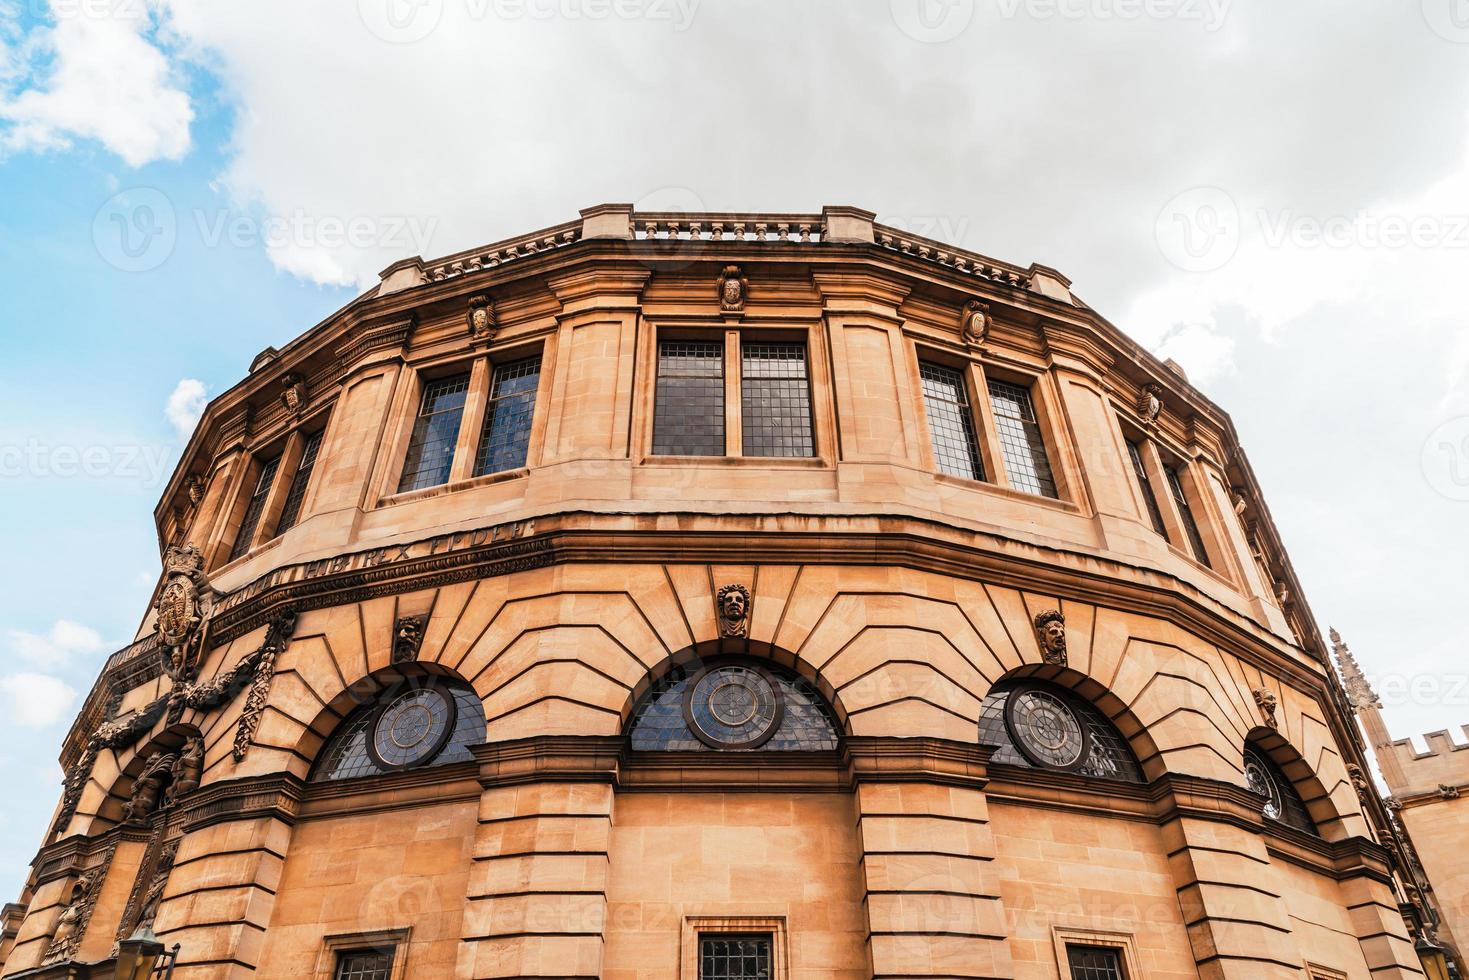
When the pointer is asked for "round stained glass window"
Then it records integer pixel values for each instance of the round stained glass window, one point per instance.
(733, 707)
(1261, 782)
(1045, 729)
(411, 729)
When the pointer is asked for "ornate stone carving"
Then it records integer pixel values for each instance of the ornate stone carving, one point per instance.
(186, 771)
(974, 322)
(407, 638)
(1150, 403)
(182, 604)
(1359, 693)
(1050, 632)
(480, 318)
(732, 289)
(293, 393)
(1359, 783)
(733, 604)
(71, 925)
(117, 734)
(148, 887)
(1266, 701)
(1448, 792)
(148, 788)
(195, 486)
(277, 637)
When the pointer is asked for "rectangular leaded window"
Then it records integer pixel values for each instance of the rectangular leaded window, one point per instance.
(1186, 514)
(688, 409)
(364, 964)
(506, 435)
(291, 511)
(1135, 452)
(435, 431)
(1020, 439)
(776, 397)
(950, 421)
(734, 958)
(1095, 963)
(255, 507)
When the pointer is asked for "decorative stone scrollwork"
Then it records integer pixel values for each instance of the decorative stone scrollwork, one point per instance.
(293, 393)
(1448, 792)
(407, 638)
(1150, 403)
(71, 925)
(732, 289)
(1359, 783)
(733, 603)
(974, 322)
(117, 734)
(1266, 701)
(480, 317)
(187, 770)
(182, 604)
(1050, 631)
(278, 634)
(149, 787)
(148, 887)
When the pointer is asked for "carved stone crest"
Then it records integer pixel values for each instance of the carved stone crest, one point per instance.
(1150, 403)
(181, 607)
(1050, 633)
(1266, 701)
(480, 318)
(733, 603)
(293, 393)
(194, 486)
(974, 322)
(407, 638)
(732, 289)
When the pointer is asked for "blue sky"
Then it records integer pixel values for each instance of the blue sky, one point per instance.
(1238, 186)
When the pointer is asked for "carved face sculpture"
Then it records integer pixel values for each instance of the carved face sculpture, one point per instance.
(735, 605)
(1053, 635)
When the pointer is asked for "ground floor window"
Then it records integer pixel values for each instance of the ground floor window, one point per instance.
(1095, 963)
(364, 964)
(734, 957)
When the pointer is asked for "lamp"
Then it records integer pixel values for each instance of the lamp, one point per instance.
(1432, 956)
(138, 956)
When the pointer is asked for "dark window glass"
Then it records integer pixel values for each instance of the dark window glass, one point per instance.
(1282, 803)
(1058, 716)
(365, 964)
(1190, 526)
(431, 448)
(1154, 514)
(1020, 439)
(950, 421)
(738, 706)
(403, 727)
(292, 509)
(1094, 963)
(776, 398)
(688, 410)
(255, 507)
(506, 436)
(734, 958)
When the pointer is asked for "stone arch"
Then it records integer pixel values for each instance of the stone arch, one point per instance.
(169, 740)
(1313, 793)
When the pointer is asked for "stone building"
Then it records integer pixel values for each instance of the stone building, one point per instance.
(719, 596)
(1426, 802)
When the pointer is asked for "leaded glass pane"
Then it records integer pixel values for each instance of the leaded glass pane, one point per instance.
(436, 430)
(950, 421)
(688, 407)
(734, 958)
(1282, 803)
(1135, 453)
(365, 964)
(775, 395)
(1020, 439)
(291, 511)
(1186, 514)
(737, 722)
(1108, 755)
(1094, 963)
(347, 754)
(255, 507)
(505, 439)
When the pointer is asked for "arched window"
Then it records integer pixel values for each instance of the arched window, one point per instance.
(1282, 803)
(1042, 726)
(421, 721)
(732, 706)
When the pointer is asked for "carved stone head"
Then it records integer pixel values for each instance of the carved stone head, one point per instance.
(407, 638)
(1050, 631)
(734, 611)
(1266, 701)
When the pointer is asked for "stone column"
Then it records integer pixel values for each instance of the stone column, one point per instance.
(1367, 893)
(932, 897)
(537, 902)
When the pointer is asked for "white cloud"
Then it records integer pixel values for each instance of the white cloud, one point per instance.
(185, 406)
(95, 75)
(36, 700)
(58, 646)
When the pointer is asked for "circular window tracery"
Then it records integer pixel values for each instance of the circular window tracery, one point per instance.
(1046, 729)
(418, 721)
(1038, 725)
(733, 707)
(411, 728)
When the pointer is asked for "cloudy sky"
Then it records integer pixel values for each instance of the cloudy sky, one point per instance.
(1276, 195)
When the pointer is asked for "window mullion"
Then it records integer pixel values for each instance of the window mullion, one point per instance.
(734, 410)
(280, 487)
(989, 435)
(472, 422)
